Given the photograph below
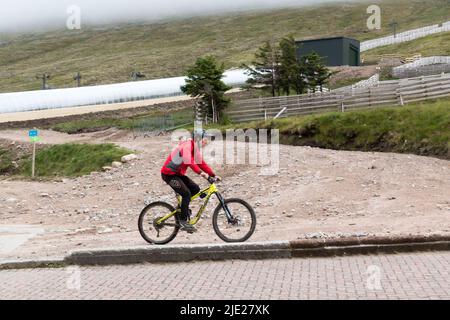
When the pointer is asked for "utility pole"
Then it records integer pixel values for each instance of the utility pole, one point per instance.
(394, 25)
(135, 75)
(44, 77)
(77, 78)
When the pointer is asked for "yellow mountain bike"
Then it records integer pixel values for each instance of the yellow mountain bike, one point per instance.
(234, 220)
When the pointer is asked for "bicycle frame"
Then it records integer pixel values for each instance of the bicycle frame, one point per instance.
(209, 192)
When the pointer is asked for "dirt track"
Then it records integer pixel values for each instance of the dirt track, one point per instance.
(317, 193)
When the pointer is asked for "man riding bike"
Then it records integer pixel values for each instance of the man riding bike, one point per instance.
(187, 155)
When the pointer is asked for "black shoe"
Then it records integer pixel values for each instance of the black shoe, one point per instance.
(186, 226)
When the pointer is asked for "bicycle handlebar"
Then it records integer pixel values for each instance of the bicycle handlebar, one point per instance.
(212, 180)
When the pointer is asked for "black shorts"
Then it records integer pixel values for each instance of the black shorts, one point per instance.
(182, 185)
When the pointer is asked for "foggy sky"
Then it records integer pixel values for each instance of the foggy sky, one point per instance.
(29, 15)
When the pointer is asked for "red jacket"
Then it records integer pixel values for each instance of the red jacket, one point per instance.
(185, 156)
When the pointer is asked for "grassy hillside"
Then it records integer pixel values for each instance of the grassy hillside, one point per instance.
(422, 128)
(110, 54)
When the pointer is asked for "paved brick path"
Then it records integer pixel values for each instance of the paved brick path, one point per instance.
(402, 276)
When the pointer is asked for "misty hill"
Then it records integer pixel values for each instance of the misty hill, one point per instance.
(110, 54)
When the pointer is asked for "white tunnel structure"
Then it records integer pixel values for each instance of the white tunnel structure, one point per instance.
(104, 94)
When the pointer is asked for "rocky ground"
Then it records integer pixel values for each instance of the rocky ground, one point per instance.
(316, 193)
(346, 73)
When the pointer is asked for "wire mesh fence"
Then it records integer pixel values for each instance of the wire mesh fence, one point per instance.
(162, 123)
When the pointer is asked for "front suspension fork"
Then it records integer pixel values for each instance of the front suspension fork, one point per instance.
(230, 217)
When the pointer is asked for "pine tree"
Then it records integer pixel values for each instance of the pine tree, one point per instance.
(300, 84)
(204, 80)
(316, 72)
(289, 68)
(265, 69)
(323, 75)
(292, 74)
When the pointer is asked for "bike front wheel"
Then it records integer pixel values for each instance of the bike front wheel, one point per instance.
(242, 224)
(155, 233)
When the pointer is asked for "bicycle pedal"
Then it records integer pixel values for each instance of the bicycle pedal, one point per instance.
(189, 231)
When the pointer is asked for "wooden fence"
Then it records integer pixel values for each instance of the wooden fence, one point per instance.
(396, 92)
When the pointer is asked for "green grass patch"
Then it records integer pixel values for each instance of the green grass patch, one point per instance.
(421, 128)
(5, 161)
(73, 160)
(80, 126)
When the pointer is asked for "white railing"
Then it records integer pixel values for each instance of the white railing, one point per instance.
(373, 81)
(318, 89)
(424, 62)
(442, 61)
(423, 71)
(405, 36)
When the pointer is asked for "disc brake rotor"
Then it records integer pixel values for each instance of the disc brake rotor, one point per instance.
(235, 221)
(156, 225)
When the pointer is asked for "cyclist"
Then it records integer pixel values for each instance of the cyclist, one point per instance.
(187, 155)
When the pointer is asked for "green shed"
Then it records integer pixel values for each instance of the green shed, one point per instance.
(338, 51)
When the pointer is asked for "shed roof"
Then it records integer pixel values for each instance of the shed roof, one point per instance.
(329, 38)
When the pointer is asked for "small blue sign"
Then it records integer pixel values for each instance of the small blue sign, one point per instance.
(33, 133)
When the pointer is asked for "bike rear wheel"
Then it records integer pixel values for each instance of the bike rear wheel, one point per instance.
(243, 225)
(158, 233)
